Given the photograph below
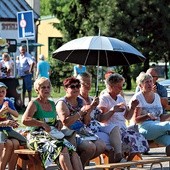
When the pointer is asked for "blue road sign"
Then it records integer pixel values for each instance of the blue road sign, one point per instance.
(25, 21)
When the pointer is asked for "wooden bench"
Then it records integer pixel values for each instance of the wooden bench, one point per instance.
(28, 159)
(103, 158)
(151, 161)
(153, 144)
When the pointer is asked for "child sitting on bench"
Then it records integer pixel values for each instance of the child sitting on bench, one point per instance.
(9, 139)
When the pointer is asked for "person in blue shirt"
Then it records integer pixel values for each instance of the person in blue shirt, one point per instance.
(79, 69)
(43, 68)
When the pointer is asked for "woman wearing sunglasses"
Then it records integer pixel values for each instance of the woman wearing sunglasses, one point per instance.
(40, 116)
(73, 114)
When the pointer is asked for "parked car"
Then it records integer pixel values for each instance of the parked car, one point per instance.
(166, 83)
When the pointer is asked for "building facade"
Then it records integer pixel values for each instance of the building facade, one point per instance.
(8, 18)
(46, 33)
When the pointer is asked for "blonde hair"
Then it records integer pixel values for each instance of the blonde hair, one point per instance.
(38, 82)
(6, 56)
(142, 77)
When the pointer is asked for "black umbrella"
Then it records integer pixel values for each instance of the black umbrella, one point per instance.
(99, 51)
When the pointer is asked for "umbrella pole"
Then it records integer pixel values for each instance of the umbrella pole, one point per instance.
(97, 83)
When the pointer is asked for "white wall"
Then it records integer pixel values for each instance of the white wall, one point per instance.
(35, 4)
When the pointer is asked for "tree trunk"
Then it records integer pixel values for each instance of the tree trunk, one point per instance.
(126, 75)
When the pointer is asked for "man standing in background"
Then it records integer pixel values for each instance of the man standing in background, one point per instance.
(26, 66)
(43, 68)
(79, 69)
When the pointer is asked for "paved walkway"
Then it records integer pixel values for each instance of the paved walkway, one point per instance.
(155, 153)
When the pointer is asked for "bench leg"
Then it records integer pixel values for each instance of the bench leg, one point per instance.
(138, 157)
(21, 164)
(35, 163)
(29, 162)
(156, 163)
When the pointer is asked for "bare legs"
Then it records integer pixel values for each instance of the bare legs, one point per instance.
(8, 155)
(100, 148)
(86, 151)
(76, 162)
(64, 160)
(67, 163)
(115, 142)
(13, 157)
(1, 155)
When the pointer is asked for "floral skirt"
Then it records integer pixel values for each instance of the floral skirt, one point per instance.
(133, 142)
(49, 148)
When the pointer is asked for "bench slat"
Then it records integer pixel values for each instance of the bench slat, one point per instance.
(153, 160)
(128, 164)
(26, 152)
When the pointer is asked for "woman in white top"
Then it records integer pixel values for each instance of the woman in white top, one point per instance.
(133, 142)
(153, 124)
(112, 138)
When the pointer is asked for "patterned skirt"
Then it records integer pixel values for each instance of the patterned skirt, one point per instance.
(133, 142)
(49, 148)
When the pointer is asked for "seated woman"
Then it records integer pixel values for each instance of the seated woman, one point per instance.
(111, 139)
(72, 113)
(9, 139)
(152, 123)
(40, 116)
(133, 142)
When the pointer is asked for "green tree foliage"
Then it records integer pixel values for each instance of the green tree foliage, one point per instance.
(58, 74)
(59, 69)
(44, 8)
(144, 24)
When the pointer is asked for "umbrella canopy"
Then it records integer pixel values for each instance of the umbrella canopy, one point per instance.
(99, 51)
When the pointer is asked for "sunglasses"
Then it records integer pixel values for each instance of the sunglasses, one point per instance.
(74, 86)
